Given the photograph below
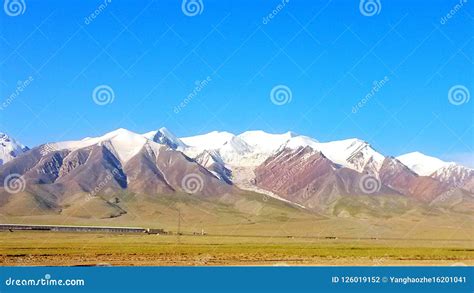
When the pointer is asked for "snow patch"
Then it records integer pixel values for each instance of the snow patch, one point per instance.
(422, 164)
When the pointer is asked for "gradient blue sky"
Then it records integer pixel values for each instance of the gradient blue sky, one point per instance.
(326, 52)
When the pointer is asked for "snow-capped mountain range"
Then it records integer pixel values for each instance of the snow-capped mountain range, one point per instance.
(252, 148)
(9, 148)
(288, 166)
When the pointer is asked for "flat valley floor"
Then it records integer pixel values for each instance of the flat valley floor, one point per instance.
(247, 231)
(85, 249)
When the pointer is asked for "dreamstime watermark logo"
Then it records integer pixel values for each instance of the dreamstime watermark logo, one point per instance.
(192, 7)
(281, 95)
(14, 183)
(46, 281)
(369, 184)
(377, 86)
(370, 7)
(275, 11)
(103, 95)
(453, 12)
(91, 17)
(459, 95)
(200, 85)
(14, 7)
(444, 197)
(103, 183)
(192, 183)
(20, 88)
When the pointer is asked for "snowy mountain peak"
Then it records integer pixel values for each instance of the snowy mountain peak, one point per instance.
(302, 141)
(118, 132)
(422, 164)
(265, 142)
(236, 144)
(165, 137)
(210, 141)
(454, 174)
(5, 139)
(352, 153)
(9, 148)
(361, 156)
(123, 143)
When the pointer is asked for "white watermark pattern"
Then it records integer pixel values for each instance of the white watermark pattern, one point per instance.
(453, 12)
(281, 95)
(459, 95)
(20, 88)
(102, 184)
(369, 184)
(200, 85)
(46, 281)
(192, 7)
(376, 87)
(14, 183)
(447, 195)
(370, 7)
(91, 17)
(275, 11)
(103, 95)
(192, 183)
(14, 7)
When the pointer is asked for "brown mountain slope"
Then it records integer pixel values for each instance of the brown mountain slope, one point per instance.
(308, 178)
(159, 169)
(399, 177)
(51, 180)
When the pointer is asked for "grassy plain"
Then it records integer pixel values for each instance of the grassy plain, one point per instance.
(84, 249)
(248, 230)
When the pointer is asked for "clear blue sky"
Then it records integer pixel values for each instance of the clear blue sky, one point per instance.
(151, 54)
